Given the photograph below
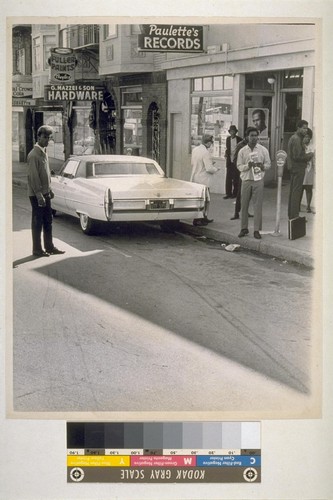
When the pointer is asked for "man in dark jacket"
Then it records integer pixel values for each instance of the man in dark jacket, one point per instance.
(232, 173)
(40, 194)
(297, 161)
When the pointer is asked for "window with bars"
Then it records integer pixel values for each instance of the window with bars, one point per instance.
(36, 53)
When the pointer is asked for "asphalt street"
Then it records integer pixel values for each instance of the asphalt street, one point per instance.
(136, 319)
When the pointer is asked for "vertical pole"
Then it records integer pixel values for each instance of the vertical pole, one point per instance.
(281, 157)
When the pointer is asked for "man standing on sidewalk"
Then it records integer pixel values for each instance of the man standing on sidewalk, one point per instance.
(40, 194)
(252, 161)
(297, 162)
(232, 173)
(202, 169)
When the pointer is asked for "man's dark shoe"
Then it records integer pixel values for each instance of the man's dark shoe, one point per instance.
(250, 215)
(257, 235)
(227, 197)
(243, 232)
(200, 222)
(41, 253)
(207, 221)
(236, 216)
(56, 251)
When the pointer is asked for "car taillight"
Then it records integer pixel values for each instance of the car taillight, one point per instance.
(108, 204)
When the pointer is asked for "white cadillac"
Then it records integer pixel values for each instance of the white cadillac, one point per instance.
(124, 188)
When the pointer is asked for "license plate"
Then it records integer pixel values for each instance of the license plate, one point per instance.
(158, 205)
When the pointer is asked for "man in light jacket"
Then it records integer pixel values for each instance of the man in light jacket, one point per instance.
(202, 169)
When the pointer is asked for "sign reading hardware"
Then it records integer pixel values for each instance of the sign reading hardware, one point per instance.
(73, 93)
(62, 63)
(171, 38)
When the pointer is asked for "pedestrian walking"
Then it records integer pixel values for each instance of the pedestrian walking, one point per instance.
(297, 163)
(202, 170)
(252, 161)
(232, 173)
(40, 195)
(308, 180)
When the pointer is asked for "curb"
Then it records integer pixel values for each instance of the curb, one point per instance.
(263, 246)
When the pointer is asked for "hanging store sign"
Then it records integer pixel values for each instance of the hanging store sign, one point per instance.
(23, 102)
(170, 38)
(73, 93)
(62, 63)
(21, 89)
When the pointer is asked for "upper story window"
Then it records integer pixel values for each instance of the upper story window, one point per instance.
(110, 31)
(135, 29)
(19, 62)
(49, 43)
(36, 53)
(63, 36)
(41, 46)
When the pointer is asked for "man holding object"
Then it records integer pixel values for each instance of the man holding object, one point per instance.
(252, 161)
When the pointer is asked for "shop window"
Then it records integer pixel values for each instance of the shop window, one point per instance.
(292, 79)
(132, 131)
(208, 83)
(211, 115)
(257, 81)
(132, 120)
(83, 136)
(218, 82)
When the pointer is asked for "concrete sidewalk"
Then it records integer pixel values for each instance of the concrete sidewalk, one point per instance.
(225, 230)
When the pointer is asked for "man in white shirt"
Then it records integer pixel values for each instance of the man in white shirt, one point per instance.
(252, 161)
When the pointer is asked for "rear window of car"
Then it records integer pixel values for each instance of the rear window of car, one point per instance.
(124, 168)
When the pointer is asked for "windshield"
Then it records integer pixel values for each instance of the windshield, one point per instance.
(125, 168)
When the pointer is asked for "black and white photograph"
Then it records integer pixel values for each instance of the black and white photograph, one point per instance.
(165, 242)
(153, 271)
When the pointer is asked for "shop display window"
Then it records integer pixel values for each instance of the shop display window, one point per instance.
(211, 115)
(83, 135)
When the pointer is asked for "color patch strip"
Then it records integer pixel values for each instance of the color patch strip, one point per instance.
(98, 461)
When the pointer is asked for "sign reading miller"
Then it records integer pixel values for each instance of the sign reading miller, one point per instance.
(170, 38)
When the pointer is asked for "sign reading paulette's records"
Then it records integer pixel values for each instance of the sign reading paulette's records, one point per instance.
(163, 452)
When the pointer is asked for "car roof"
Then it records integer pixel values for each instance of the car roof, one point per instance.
(111, 158)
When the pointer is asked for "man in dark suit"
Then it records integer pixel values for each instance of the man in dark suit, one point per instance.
(232, 173)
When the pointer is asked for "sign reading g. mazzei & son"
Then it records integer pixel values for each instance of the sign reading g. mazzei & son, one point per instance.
(170, 38)
(73, 93)
(62, 63)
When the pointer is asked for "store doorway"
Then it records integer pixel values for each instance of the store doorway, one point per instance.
(176, 146)
(292, 113)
